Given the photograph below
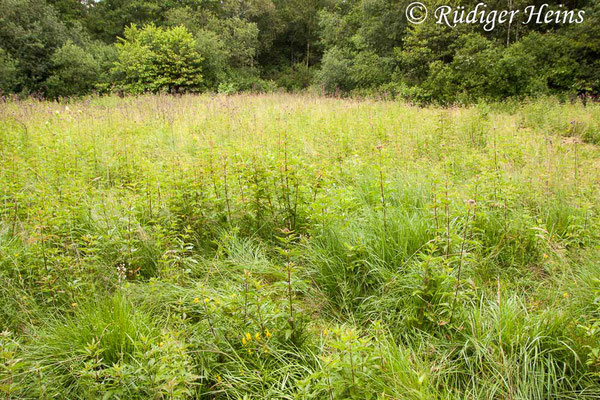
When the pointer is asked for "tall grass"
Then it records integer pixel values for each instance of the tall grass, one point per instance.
(291, 246)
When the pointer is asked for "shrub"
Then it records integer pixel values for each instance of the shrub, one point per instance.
(214, 54)
(75, 71)
(245, 80)
(8, 72)
(335, 71)
(370, 70)
(155, 59)
(240, 39)
(297, 77)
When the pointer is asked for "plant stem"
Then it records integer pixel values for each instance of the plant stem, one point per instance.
(460, 261)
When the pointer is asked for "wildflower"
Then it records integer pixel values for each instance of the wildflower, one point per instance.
(471, 203)
(74, 305)
(565, 295)
(219, 379)
(379, 146)
(248, 336)
(121, 272)
(545, 255)
(325, 332)
(268, 334)
(244, 341)
(206, 300)
(257, 336)
(196, 300)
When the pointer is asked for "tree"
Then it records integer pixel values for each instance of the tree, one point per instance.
(240, 39)
(30, 32)
(75, 71)
(107, 19)
(335, 71)
(369, 70)
(8, 73)
(584, 43)
(69, 11)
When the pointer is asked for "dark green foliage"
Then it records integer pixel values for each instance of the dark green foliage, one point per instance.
(240, 38)
(107, 19)
(75, 71)
(8, 72)
(434, 63)
(362, 47)
(296, 77)
(30, 32)
(335, 70)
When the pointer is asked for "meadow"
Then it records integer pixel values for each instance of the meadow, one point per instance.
(298, 247)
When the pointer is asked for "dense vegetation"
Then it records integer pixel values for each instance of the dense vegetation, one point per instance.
(56, 48)
(295, 247)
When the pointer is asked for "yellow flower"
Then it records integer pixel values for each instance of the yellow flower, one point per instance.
(207, 300)
(257, 336)
(325, 332)
(244, 341)
(219, 378)
(565, 295)
(545, 255)
(248, 337)
(196, 300)
(74, 304)
(268, 334)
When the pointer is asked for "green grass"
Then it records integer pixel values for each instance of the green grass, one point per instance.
(297, 247)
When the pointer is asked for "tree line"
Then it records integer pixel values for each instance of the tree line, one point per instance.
(58, 48)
